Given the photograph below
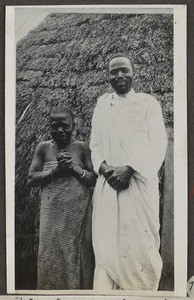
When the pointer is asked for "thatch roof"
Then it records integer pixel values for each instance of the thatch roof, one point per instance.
(64, 60)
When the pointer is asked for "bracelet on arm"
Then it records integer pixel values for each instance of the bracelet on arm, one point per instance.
(84, 174)
(84, 171)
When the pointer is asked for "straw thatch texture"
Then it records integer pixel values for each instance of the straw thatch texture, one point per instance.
(64, 61)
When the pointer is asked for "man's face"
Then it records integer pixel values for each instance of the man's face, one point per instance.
(61, 127)
(121, 74)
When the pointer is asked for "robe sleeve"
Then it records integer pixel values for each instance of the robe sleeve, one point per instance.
(149, 159)
(96, 155)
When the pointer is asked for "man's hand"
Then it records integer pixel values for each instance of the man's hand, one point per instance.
(106, 170)
(119, 180)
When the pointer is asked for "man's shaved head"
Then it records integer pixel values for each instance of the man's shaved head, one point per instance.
(122, 55)
(121, 73)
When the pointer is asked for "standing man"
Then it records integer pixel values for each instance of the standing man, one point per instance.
(128, 144)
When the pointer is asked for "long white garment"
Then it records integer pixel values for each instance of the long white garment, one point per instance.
(128, 131)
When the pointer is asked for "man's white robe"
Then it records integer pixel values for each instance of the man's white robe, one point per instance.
(129, 131)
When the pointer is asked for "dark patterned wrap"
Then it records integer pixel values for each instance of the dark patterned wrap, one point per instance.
(65, 259)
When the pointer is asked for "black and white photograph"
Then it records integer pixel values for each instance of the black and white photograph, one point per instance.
(96, 200)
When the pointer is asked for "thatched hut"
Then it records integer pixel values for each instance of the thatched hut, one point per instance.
(64, 60)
